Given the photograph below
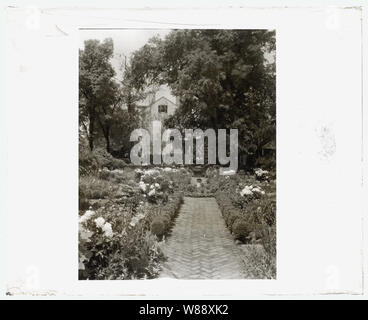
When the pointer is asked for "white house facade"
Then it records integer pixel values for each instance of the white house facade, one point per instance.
(158, 106)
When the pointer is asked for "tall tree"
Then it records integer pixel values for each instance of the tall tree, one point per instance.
(224, 78)
(99, 93)
(131, 91)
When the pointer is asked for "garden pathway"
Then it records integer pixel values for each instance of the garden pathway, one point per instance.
(200, 246)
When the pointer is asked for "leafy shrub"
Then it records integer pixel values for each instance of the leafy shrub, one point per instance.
(268, 211)
(142, 254)
(252, 221)
(231, 217)
(191, 188)
(258, 264)
(163, 216)
(91, 161)
(91, 187)
(119, 176)
(267, 162)
(117, 164)
(130, 251)
(83, 202)
(269, 242)
(261, 174)
(153, 185)
(110, 247)
(256, 209)
(159, 226)
(130, 256)
(165, 185)
(106, 160)
(104, 174)
(88, 163)
(241, 229)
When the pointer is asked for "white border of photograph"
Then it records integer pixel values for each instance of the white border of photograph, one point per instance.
(319, 150)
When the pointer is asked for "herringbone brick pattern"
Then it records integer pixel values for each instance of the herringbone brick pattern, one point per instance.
(200, 246)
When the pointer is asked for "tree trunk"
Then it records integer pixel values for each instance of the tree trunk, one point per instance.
(105, 128)
(107, 138)
(130, 105)
(91, 130)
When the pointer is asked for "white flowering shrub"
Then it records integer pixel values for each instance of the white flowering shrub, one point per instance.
(86, 216)
(248, 206)
(251, 191)
(115, 238)
(157, 183)
(261, 174)
(117, 245)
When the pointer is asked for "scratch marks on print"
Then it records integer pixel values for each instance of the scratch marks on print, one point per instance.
(61, 31)
(33, 18)
(326, 136)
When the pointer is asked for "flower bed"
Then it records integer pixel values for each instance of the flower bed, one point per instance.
(120, 243)
(162, 218)
(119, 237)
(248, 206)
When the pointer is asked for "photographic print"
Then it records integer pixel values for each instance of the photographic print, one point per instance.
(171, 144)
(177, 154)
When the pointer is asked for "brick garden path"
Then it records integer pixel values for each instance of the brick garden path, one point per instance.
(200, 246)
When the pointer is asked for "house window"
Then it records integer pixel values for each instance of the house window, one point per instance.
(162, 108)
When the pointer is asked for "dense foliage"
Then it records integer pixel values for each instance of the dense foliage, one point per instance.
(106, 104)
(224, 78)
(248, 205)
(124, 213)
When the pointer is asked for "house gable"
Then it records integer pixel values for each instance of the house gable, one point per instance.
(163, 99)
(161, 108)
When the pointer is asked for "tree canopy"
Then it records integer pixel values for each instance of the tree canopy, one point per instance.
(101, 96)
(224, 78)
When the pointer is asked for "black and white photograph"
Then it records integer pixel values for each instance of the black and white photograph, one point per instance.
(177, 154)
(185, 154)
